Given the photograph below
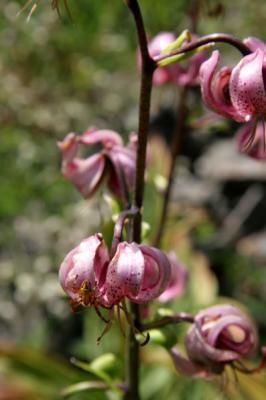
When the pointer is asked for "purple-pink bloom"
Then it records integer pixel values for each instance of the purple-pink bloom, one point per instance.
(138, 272)
(83, 271)
(219, 335)
(239, 93)
(114, 161)
(185, 74)
(178, 279)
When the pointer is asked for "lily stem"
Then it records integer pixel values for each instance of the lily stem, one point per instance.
(212, 38)
(147, 70)
(169, 320)
(176, 145)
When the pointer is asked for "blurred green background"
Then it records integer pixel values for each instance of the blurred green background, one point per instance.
(60, 75)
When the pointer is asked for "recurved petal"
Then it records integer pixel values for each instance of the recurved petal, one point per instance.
(247, 88)
(200, 350)
(156, 277)
(254, 43)
(123, 163)
(86, 174)
(186, 366)
(216, 311)
(68, 147)
(101, 261)
(104, 136)
(207, 71)
(215, 88)
(79, 266)
(125, 272)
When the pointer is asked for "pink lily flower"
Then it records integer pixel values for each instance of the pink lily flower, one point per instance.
(239, 93)
(220, 335)
(83, 271)
(114, 161)
(140, 273)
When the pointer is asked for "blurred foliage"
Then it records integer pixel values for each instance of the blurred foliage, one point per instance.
(60, 75)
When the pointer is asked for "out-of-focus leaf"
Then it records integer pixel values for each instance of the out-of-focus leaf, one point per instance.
(165, 337)
(113, 205)
(145, 230)
(37, 363)
(203, 282)
(97, 372)
(83, 386)
(106, 362)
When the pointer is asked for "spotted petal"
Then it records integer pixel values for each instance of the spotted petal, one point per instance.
(125, 272)
(215, 89)
(247, 88)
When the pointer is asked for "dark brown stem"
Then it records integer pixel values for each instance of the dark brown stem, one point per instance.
(194, 12)
(123, 216)
(214, 37)
(178, 138)
(147, 70)
(173, 319)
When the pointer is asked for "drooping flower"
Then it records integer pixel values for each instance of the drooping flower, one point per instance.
(178, 279)
(114, 161)
(220, 335)
(185, 74)
(88, 275)
(239, 93)
(140, 273)
(83, 271)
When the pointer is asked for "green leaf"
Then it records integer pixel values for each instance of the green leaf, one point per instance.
(83, 386)
(112, 204)
(184, 56)
(89, 367)
(106, 362)
(185, 35)
(145, 230)
(165, 337)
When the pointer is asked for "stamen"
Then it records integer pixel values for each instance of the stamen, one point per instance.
(55, 5)
(250, 140)
(106, 328)
(239, 366)
(130, 321)
(23, 8)
(234, 374)
(33, 8)
(98, 312)
(264, 137)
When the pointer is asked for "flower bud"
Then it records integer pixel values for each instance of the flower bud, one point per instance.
(219, 335)
(138, 272)
(82, 273)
